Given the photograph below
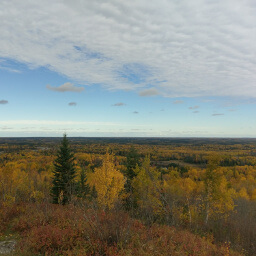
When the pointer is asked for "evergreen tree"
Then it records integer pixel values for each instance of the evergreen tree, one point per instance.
(93, 193)
(132, 161)
(64, 174)
(83, 187)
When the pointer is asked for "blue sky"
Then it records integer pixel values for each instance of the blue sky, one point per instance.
(164, 68)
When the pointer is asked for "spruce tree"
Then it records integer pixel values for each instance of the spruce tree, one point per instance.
(64, 174)
(132, 160)
(83, 189)
(93, 193)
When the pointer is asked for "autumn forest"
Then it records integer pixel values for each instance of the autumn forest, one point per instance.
(129, 196)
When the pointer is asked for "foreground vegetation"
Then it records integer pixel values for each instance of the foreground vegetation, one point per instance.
(150, 198)
(47, 229)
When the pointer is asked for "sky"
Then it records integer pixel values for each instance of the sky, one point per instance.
(159, 68)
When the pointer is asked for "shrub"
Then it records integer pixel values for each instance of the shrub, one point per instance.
(48, 229)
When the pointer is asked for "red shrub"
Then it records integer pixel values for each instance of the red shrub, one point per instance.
(48, 239)
(7, 214)
(68, 230)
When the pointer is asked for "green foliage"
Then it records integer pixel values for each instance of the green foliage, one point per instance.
(132, 160)
(83, 189)
(64, 174)
(93, 194)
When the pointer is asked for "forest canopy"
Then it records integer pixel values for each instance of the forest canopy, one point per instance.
(206, 187)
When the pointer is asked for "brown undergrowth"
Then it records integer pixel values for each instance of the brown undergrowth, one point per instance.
(47, 229)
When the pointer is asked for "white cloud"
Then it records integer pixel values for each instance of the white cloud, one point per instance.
(67, 87)
(5, 128)
(181, 48)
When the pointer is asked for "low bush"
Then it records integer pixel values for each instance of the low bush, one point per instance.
(47, 229)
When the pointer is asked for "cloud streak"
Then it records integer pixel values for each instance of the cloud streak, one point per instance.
(119, 104)
(194, 107)
(72, 104)
(67, 87)
(178, 102)
(218, 114)
(130, 46)
(52, 122)
(6, 128)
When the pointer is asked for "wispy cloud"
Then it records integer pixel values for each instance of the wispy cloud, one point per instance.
(195, 112)
(6, 128)
(178, 102)
(218, 114)
(13, 70)
(72, 103)
(160, 43)
(149, 92)
(3, 102)
(194, 107)
(4, 65)
(119, 104)
(207, 100)
(58, 127)
(67, 87)
(52, 122)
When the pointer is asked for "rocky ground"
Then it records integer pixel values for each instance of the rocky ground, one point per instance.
(7, 247)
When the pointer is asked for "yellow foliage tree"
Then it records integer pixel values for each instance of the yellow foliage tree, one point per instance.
(108, 182)
(218, 197)
(147, 188)
(18, 183)
(253, 197)
(243, 193)
(189, 187)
